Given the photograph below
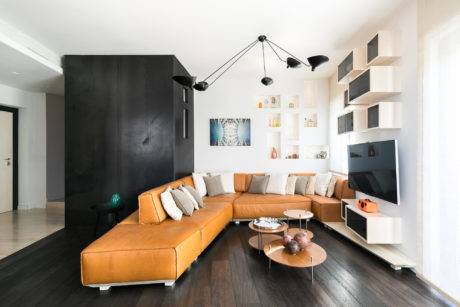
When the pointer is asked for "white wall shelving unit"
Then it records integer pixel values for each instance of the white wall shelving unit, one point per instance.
(293, 117)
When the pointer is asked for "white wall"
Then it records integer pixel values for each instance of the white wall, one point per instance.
(32, 144)
(229, 98)
(404, 20)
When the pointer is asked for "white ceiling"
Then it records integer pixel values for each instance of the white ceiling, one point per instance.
(203, 33)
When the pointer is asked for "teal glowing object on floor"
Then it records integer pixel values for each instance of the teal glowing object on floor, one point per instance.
(115, 201)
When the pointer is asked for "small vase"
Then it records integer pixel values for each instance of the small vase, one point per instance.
(274, 154)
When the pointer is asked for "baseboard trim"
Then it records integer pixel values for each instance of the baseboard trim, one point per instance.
(432, 285)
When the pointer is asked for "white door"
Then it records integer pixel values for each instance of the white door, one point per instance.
(6, 161)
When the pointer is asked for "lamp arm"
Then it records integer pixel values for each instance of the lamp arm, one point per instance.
(289, 54)
(245, 51)
(248, 46)
(275, 52)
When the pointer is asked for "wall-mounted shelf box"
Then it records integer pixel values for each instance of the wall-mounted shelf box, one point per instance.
(384, 115)
(354, 121)
(375, 84)
(373, 228)
(352, 65)
(384, 48)
(312, 152)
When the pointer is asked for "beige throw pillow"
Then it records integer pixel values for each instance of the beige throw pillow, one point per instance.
(192, 199)
(195, 195)
(331, 187)
(182, 202)
(290, 185)
(214, 185)
(301, 185)
(170, 206)
(311, 185)
(258, 184)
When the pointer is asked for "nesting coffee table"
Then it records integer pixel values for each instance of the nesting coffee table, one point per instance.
(264, 236)
(298, 215)
(312, 256)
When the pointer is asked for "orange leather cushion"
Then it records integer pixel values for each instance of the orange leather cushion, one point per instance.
(347, 193)
(130, 253)
(133, 218)
(225, 198)
(304, 174)
(323, 199)
(249, 206)
(339, 187)
(240, 182)
(150, 208)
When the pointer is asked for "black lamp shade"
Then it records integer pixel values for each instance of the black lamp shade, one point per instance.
(267, 81)
(293, 63)
(187, 81)
(201, 86)
(317, 60)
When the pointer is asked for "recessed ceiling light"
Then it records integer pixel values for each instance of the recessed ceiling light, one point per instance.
(15, 73)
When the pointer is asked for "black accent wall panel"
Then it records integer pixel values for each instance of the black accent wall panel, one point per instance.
(120, 130)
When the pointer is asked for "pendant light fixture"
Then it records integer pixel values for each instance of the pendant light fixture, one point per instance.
(291, 61)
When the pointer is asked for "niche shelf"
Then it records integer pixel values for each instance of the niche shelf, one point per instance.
(352, 65)
(310, 120)
(292, 126)
(384, 48)
(384, 115)
(311, 94)
(273, 141)
(354, 121)
(267, 102)
(320, 152)
(292, 102)
(375, 84)
(292, 152)
(273, 120)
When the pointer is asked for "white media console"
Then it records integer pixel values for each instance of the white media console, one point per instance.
(375, 232)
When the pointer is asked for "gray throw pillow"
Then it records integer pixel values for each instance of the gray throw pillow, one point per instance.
(258, 184)
(195, 195)
(301, 185)
(214, 185)
(182, 202)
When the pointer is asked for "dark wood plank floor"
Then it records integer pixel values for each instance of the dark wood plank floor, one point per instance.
(228, 273)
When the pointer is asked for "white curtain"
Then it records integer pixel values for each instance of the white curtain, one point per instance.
(441, 158)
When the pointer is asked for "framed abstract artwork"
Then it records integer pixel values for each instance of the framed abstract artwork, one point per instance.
(230, 131)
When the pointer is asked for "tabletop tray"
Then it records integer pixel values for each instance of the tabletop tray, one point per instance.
(267, 223)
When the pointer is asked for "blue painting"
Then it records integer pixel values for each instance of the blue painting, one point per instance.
(230, 131)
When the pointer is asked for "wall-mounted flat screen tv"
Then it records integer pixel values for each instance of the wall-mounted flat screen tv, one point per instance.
(373, 169)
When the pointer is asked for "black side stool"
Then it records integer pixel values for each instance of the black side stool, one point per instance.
(107, 210)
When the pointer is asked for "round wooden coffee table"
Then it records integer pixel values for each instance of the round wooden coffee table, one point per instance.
(298, 215)
(310, 257)
(264, 236)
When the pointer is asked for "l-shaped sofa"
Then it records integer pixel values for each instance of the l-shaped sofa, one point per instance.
(148, 247)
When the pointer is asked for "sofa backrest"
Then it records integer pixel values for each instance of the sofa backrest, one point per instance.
(342, 190)
(150, 208)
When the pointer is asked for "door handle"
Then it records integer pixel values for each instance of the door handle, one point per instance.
(7, 159)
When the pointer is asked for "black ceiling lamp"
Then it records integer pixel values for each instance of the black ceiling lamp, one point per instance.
(291, 61)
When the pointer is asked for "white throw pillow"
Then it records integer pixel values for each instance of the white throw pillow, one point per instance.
(277, 184)
(227, 181)
(198, 181)
(322, 183)
(170, 205)
(190, 196)
(290, 185)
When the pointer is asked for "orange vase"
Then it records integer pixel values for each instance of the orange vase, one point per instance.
(274, 154)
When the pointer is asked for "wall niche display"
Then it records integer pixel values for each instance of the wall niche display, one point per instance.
(311, 120)
(230, 132)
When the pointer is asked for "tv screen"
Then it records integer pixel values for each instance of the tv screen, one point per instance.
(373, 169)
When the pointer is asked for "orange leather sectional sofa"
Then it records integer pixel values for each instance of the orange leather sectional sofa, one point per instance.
(147, 247)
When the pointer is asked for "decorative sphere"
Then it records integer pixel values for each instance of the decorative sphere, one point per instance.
(302, 239)
(293, 247)
(286, 240)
